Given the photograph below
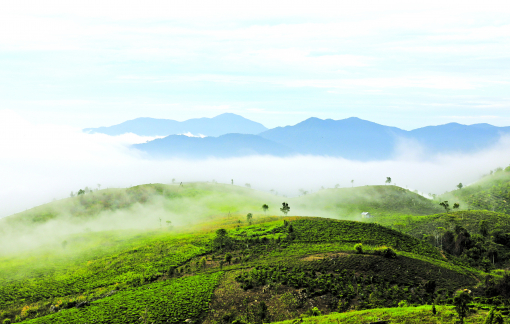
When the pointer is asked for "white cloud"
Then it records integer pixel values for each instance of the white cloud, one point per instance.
(42, 162)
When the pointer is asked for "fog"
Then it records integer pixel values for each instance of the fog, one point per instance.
(41, 163)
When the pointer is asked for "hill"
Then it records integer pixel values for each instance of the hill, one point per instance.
(216, 126)
(478, 238)
(169, 253)
(379, 201)
(492, 192)
(268, 266)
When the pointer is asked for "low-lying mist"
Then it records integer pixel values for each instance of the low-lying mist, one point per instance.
(41, 163)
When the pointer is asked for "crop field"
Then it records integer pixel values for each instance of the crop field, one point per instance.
(170, 301)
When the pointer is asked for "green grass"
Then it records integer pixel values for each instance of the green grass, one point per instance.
(129, 262)
(170, 301)
(123, 273)
(407, 315)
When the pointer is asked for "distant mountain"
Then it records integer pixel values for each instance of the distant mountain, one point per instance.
(358, 139)
(351, 138)
(229, 145)
(454, 137)
(216, 126)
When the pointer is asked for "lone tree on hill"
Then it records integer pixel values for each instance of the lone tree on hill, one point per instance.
(285, 208)
(221, 237)
(388, 180)
(445, 205)
(460, 185)
(265, 207)
(249, 217)
(352, 183)
(456, 206)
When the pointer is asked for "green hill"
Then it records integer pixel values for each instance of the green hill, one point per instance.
(479, 238)
(377, 200)
(491, 193)
(170, 253)
(281, 263)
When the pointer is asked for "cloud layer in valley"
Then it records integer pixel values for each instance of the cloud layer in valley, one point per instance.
(39, 163)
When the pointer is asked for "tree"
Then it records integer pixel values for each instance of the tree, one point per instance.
(460, 185)
(221, 237)
(265, 207)
(285, 208)
(461, 301)
(247, 185)
(249, 217)
(358, 248)
(203, 262)
(352, 183)
(228, 258)
(456, 206)
(232, 181)
(337, 186)
(484, 228)
(388, 180)
(81, 192)
(445, 205)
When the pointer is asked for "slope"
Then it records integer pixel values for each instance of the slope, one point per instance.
(164, 276)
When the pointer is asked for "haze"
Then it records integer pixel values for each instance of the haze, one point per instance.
(39, 163)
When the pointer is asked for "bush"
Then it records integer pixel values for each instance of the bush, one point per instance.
(358, 248)
(385, 251)
(403, 303)
(7, 321)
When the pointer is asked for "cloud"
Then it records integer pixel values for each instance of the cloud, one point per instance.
(41, 162)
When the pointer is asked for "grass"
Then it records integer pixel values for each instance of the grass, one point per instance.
(153, 274)
(404, 315)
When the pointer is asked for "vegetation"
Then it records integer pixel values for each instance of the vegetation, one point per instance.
(225, 262)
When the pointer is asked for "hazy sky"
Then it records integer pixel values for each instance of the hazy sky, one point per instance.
(93, 63)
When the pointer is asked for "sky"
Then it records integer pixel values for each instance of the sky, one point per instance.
(69, 65)
(398, 63)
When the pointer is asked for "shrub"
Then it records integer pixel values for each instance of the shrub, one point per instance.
(313, 312)
(358, 248)
(385, 251)
(7, 321)
(403, 303)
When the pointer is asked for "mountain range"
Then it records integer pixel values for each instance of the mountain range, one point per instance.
(230, 135)
(216, 126)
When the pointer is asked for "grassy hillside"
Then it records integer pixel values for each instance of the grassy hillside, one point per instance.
(407, 315)
(377, 200)
(280, 265)
(491, 193)
(478, 238)
(171, 253)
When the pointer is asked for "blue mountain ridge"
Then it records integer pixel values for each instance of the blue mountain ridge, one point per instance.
(351, 138)
(216, 126)
(225, 146)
